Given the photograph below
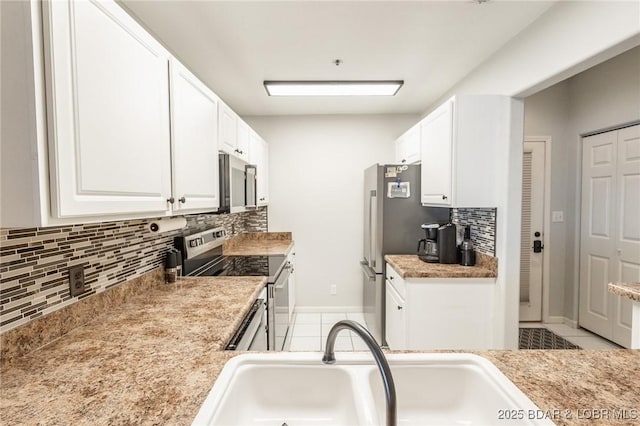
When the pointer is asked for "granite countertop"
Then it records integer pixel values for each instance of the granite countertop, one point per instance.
(258, 244)
(629, 290)
(151, 360)
(576, 385)
(410, 266)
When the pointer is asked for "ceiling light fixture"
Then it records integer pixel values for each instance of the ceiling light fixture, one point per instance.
(333, 88)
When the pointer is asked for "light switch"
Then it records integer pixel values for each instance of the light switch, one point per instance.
(557, 216)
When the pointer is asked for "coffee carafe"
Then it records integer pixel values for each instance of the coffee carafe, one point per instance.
(429, 251)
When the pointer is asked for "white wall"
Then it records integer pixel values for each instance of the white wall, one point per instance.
(315, 187)
(547, 114)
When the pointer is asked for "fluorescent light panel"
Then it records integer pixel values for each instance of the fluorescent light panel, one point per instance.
(333, 88)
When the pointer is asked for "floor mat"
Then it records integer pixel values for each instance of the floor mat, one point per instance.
(541, 338)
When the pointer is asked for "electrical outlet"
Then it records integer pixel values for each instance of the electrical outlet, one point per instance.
(76, 280)
(334, 289)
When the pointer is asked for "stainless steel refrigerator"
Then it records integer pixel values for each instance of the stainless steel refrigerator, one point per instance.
(392, 218)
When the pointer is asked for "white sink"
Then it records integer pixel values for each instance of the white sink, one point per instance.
(298, 389)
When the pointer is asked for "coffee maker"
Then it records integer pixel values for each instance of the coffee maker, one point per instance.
(429, 252)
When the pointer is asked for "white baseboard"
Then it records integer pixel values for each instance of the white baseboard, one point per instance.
(328, 309)
(571, 323)
(554, 320)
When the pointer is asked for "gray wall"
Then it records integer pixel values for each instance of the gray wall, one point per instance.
(605, 95)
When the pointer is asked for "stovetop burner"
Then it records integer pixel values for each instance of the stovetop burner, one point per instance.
(202, 256)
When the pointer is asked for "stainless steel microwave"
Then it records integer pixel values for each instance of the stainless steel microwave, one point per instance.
(237, 184)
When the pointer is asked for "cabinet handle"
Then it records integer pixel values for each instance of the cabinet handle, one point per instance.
(171, 200)
(399, 307)
(182, 200)
(391, 278)
(404, 161)
(444, 197)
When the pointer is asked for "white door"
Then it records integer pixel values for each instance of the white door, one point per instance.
(194, 129)
(610, 230)
(532, 234)
(108, 100)
(627, 236)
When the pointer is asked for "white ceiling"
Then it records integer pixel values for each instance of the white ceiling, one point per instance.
(234, 46)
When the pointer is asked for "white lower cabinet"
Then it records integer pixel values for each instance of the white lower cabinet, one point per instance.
(438, 313)
(396, 331)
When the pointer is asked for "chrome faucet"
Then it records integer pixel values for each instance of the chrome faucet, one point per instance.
(387, 379)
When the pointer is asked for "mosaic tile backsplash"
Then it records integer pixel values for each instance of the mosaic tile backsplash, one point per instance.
(483, 227)
(34, 261)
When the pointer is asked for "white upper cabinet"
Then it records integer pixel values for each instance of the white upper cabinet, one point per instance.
(108, 112)
(106, 125)
(461, 140)
(243, 147)
(233, 133)
(407, 146)
(227, 132)
(259, 156)
(194, 142)
(437, 139)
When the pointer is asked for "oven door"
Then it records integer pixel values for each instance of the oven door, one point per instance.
(251, 333)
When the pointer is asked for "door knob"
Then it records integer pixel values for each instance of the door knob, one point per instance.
(171, 200)
(182, 200)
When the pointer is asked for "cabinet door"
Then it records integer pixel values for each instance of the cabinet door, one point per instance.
(412, 145)
(395, 327)
(259, 155)
(108, 111)
(437, 147)
(243, 147)
(194, 131)
(228, 136)
(401, 149)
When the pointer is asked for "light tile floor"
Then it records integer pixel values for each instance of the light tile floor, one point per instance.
(578, 336)
(309, 333)
(310, 330)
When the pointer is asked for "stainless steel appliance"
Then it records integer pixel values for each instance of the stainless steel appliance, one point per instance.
(263, 328)
(237, 184)
(429, 253)
(392, 215)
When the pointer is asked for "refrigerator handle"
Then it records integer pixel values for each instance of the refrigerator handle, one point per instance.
(372, 227)
(371, 274)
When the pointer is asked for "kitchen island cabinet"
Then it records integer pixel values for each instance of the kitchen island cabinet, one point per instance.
(438, 313)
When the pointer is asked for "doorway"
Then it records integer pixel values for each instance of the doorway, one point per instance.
(534, 228)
